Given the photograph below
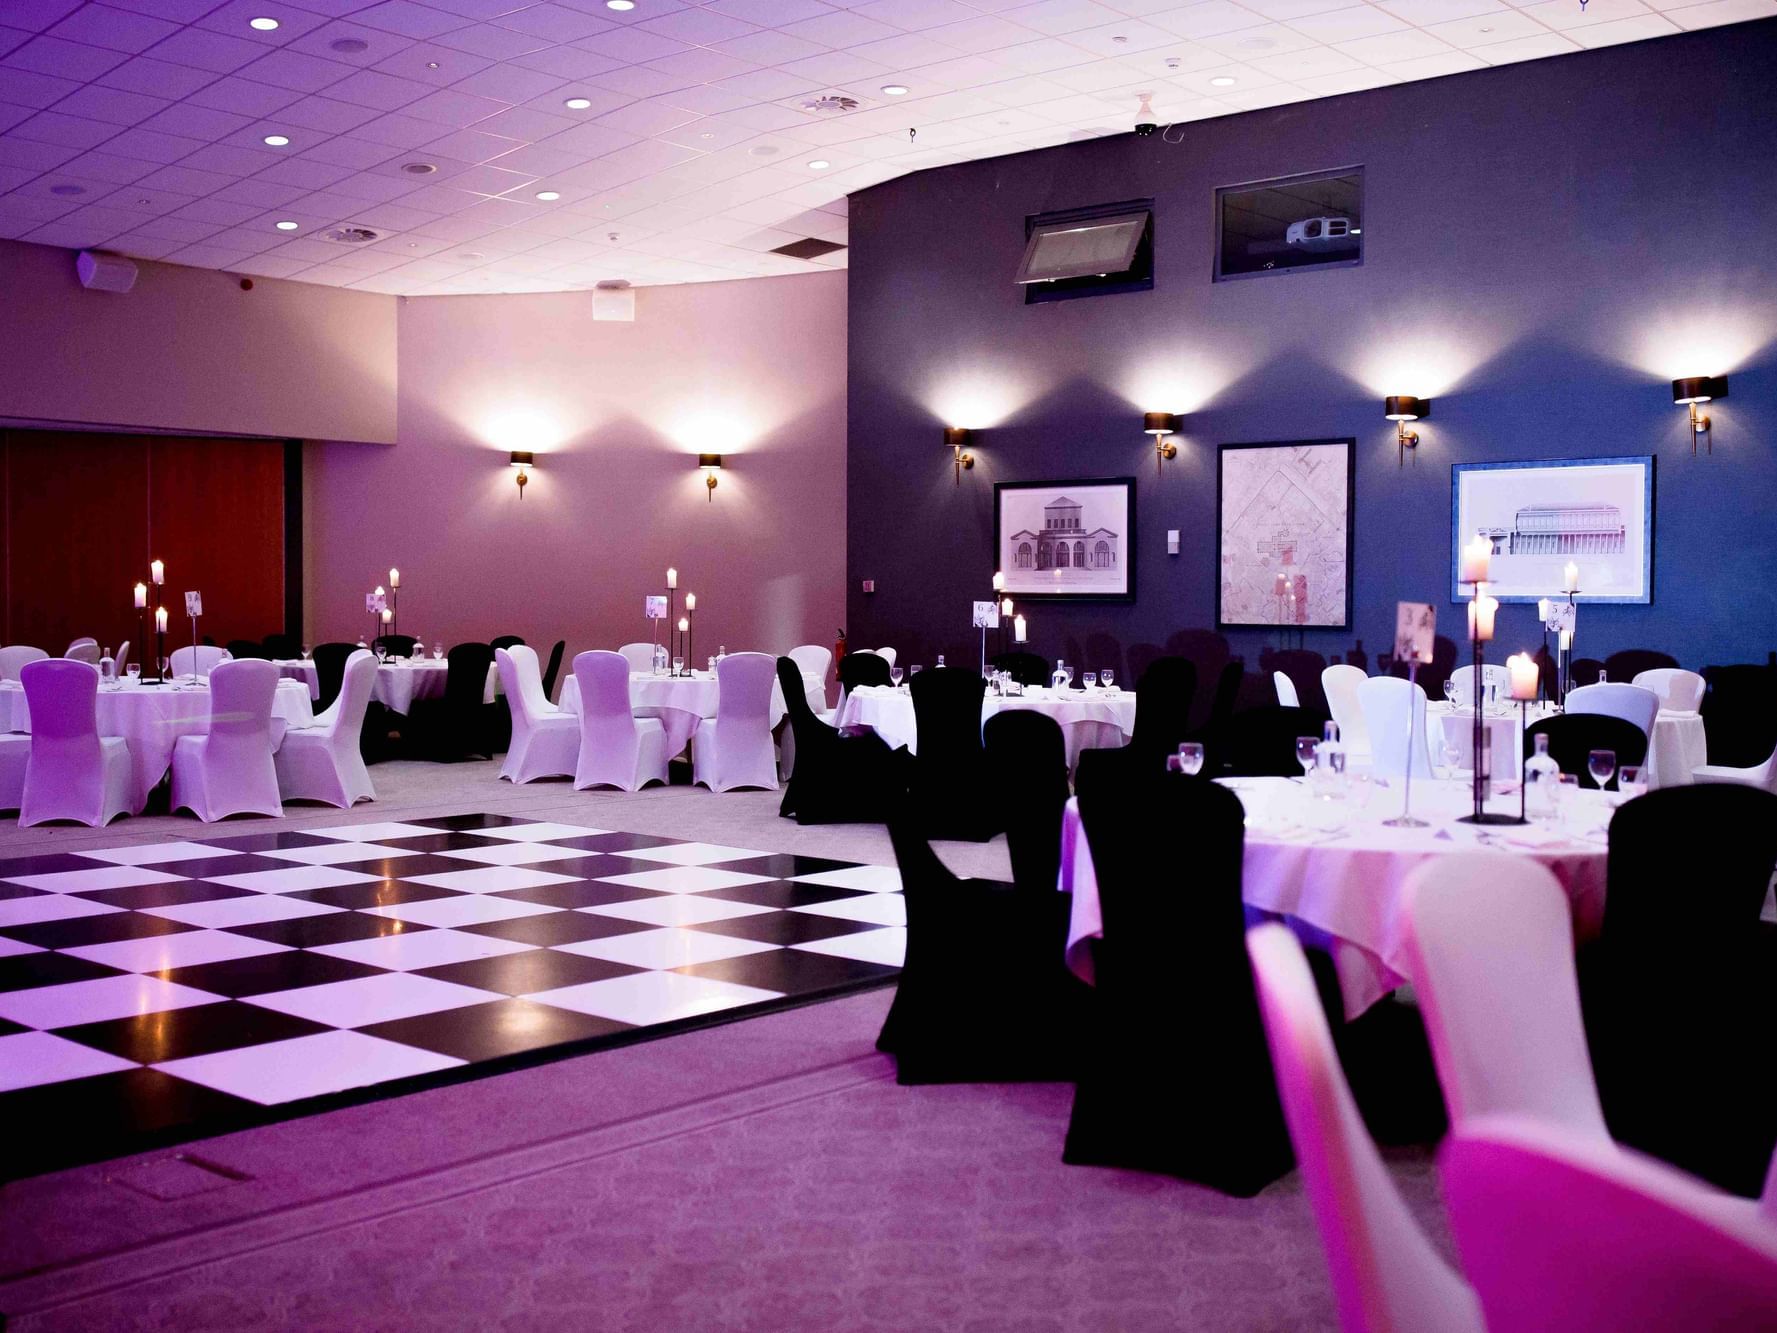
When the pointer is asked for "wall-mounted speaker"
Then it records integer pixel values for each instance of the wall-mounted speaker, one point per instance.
(105, 273)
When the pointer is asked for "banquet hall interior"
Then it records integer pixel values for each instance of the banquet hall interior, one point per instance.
(885, 664)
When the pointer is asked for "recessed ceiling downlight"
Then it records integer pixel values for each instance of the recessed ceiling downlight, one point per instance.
(349, 46)
(419, 168)
(621, 6)
(276, 140)
(352, 235)
(263, 25)
(548, 196)
(286, 226)
(895, 89)
(577, 103)
(819, 164)
(1222, 81)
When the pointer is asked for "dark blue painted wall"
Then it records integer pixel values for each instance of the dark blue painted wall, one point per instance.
(1548, 245)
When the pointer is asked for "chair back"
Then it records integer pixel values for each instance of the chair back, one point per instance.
(522, 682)
(330, 665)
(1027, 761)
(811, 659)
(1739, 712)
(282, 647)
(1629, 663)
(465, 676)
(1340, 684)
(63, 698)
(1679, 691)
(1286, 690)
(1491, 941)
(345, 715)
(886, 654)
(241, 694)
(640, 656)
(607, 716)
(806, 727)
(1026, 668)
(1385, 1273)
(123, 657)
(394, 645)
(861, 668)
(1227, 694)
(500, 641)
(1463, 678)
(553, 669)
(1573, 737)
(199, 660)
(242, 649)
(1561, 1232)
(947, 714)
(83, 650)
(1633, 703)
(13, 659)
(743, 694)
(1261, 742)
(1385, 701)
(1584, 671)
(1163, 698)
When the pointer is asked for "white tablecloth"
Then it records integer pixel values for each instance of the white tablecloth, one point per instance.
(398, 682)
(152, 718)
(1342, 889)
(1677, 746)
(681, 702)
(1095, 720)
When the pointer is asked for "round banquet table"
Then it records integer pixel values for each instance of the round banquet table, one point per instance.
(399, 681)
(682, 702)
(151, 718)
(1678, 746)
(1337, 876)
(1090, 719)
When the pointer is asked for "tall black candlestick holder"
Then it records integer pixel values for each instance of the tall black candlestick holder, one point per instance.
(690, 630)
(1482, 752)
(141, 643)
(160, 653)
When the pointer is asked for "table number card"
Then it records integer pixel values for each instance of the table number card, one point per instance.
(1415, 626)
(375, 602)
(194, 604)
(987, 615)
(654, 608)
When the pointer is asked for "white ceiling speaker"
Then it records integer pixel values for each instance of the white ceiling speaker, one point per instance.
(105, 273)
(614, 301)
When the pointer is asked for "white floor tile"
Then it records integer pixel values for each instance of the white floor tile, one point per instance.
(30, 1058)
(379, 999)
(413, 949)
(882, 909)
(684, 879)
(91, 881)
(870, 879)
(490, 879)
(541, 832)
(692, 853)
(514, 854)
(287, 1071)
(371, 832)
(95, 1001)
(663, 949)
(226, 913)
(677, 909)
(294, 880)
(652, 997)
(336, 853)
(466, 909)
(156, 853)
(187, 948)
(49, 907)
(887, 946)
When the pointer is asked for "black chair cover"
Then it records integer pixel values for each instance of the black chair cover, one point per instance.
(1584, 670)
(505, 641)
(1261, 742)
(984, 994)
(1740, 714)
(1628, 663)
(1163, 706)
(1680, 987)
(949, 791)
(857, 669)
(1178, 1076)
(330, 670)
(553, 668)
(456, 726)
(284, 646)
(1573, 737)
(395, 645)
(242, 649)
(1025, 668)
(837, 779)
(1027, 765)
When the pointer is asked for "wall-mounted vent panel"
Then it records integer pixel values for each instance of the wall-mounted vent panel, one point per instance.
(1088, 252)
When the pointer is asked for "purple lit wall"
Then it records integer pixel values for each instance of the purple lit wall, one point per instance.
(1549, 244)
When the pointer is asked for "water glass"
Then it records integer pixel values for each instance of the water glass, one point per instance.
(1565, 788)
(134, 672)
(678, 665)
(437, 652)
(1601, 764)
(1190, 758)
(1109, 678)
(419, 651)
(1632, 781)
(1067, 676)
(1090, 680)
(895, 676)
(1305, 749)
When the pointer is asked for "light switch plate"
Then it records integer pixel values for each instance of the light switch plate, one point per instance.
(869, 585)
(1172, 541)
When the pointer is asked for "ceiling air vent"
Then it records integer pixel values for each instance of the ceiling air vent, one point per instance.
(352, 235)
(830, 104)
(807, 249)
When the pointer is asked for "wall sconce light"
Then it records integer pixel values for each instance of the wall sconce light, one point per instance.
(956, 437)
(711, 464)
(522, 459)
(1699, 389)
(1400, 409)
(1160, 425)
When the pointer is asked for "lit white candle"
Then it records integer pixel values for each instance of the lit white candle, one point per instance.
(672, 578)
(1570, 578)
(160, 620)
(691, 601)
(684, 624)
(388, 615)
(1524, 675)
(1474, 560)
(999, 581)
(1006, 607)
(1018, 633)
(157, 572)
(1542, 609)
(394, 578)
(1480, 618)
(141, 596)
(1566, 640)
(380, 592)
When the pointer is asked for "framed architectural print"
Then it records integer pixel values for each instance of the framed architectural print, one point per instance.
(1596, 514)
(1066, 540)
(1283, 534)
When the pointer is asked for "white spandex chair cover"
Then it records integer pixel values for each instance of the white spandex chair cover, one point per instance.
(617, 748)
(886, 654)
(1680, 691)
(15, 755)
(123, 658)
(206, 655)
(545, 739)
(1386, 1275)
(1383, 700)
(83, 650)
(1286, 690)
(1491, 938)
(13, 659)
(1560, 1232)
(1759, 775)
(812, 660)
(325, 761)
(736, 750)
(229, 770)
(640, 656)
(1340, 684)
(73, 773)
(1632, 703)
(1463, 678)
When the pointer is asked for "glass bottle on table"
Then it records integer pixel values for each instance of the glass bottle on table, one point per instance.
(1541, 773)
(940, 659)
(107, 669)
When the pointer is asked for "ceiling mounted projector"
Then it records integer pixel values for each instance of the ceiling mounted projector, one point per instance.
(101, 272)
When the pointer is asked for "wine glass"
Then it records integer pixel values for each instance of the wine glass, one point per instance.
(1190, 757)
(1109, 678)
(134, 672)
(437, 651)
(1305, 748)
(305, 652)
(895, 677)
(1452, 754)
(678, 665)
(382, 653)
(1450, 692)
(1632, 781)
(1067, 676)
(1090, 680)
(1601, 764)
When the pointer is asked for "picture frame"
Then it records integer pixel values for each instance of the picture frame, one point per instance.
(1542, 513)
(1284, 534)
(1043, 529)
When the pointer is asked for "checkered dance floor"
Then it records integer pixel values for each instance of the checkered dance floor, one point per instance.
(153, 993)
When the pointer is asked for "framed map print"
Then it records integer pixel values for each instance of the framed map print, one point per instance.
(1283, 534)
(1066, 540)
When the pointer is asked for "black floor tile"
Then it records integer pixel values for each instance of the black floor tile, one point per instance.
(214, 867)
(528, 972)
(25, 970)
(489, 1031)
(791, 971)
(404, 867)
(52, 863)
(94, 930)
(444, 842)
(784, 927)
(262, 842)
(9, 891)
(138, 896)
(783, 893)
(199, 1030)
(376, 893)
(71, 1116)
(588, 867)
(556, 928)
(310, 932)
(782, 865)
(581, 893)
(613, 842)
(8, 1028)
(470, 821)
(269, 972)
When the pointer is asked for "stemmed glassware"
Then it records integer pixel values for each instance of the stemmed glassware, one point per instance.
(1090, 680)
(678, 665)
(134, 672)
(1109, 678)
(1305, 751)
(1632, 781)
(1601, 764)
(1067, 676)
(895, 677)
(437, 651)
(1450, 691)
(1190, 758)
(305, 652)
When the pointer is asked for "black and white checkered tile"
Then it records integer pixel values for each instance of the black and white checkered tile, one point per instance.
(172, 990)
